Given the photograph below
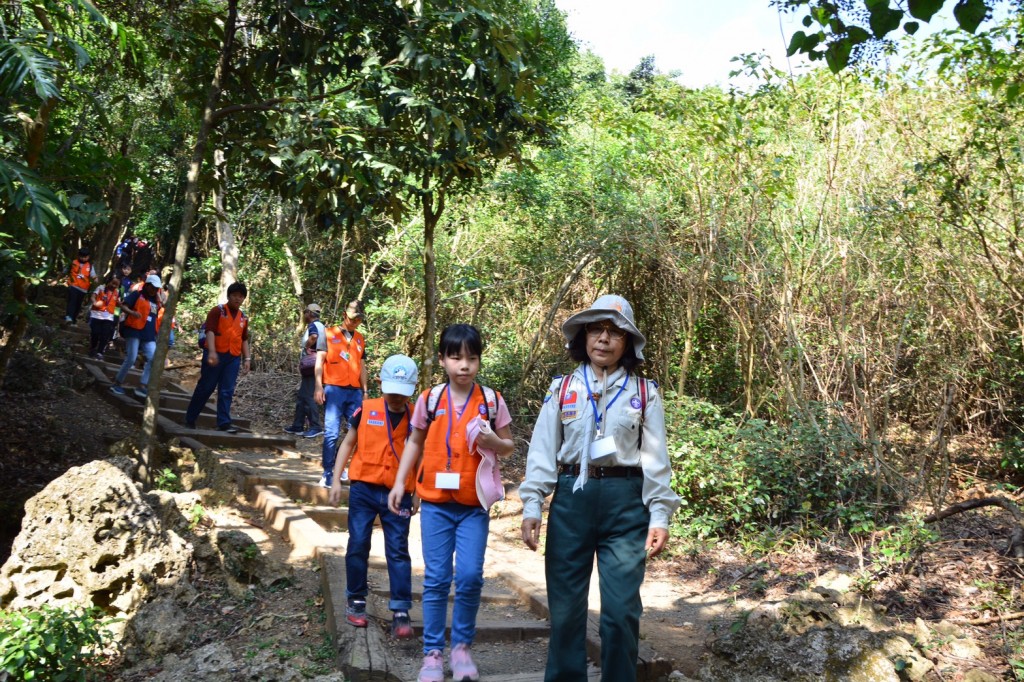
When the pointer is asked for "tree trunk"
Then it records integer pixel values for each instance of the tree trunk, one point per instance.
(225, 234)
(430, 218)
(181, 252)
(108, 237)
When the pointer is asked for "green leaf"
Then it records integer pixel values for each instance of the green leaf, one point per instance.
(924, 9)
(970, 13)
(796, 43)
(837, 54)
(20, 61)
(911, 27)
(857, 35)
(883, 20)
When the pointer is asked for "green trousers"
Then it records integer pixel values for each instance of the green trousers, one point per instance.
(606, 517)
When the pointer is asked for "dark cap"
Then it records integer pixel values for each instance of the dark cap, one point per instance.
(355, 311)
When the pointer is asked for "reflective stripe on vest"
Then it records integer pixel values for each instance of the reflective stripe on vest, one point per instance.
(374, 462)
(435, 452)
(343, 365)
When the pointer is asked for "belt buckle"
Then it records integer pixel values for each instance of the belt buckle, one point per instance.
(597, 472)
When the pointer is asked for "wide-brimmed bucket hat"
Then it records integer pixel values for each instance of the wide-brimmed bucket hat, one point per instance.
(608, 307)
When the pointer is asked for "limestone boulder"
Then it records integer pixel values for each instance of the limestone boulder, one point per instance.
(89, 538)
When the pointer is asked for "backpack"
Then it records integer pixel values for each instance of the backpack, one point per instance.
(641, 389)
(435, 396)
(202, 327)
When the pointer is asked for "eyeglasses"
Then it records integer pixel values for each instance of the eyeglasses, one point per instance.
(614, 333)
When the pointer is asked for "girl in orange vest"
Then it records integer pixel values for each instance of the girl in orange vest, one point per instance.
(102, 316)
(453, 522)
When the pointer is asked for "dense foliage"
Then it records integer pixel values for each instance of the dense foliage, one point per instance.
(51, 643)
(814, 261)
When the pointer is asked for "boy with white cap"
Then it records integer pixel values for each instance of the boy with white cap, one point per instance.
(375, 442)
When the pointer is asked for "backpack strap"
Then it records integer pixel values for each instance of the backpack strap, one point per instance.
(432, 400)
(566, 380)
(490, 399)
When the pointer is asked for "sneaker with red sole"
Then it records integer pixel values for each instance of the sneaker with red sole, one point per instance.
(401, 626)
(463, 667)
(433, 668)
(355, 613)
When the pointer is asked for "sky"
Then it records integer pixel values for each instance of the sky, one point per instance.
(696, 37)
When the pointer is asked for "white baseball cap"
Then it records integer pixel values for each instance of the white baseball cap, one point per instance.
(155, 281)
(399, 375)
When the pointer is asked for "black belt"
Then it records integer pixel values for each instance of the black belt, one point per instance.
(600, 472)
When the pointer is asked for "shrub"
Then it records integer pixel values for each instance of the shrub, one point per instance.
(736, 476)
(51, 643)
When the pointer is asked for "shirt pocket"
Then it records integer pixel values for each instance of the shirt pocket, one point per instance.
(626, 426)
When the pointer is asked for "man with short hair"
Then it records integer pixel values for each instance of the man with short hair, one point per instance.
(340, 382)
(313, 341)
(81, 274)
(225, 355)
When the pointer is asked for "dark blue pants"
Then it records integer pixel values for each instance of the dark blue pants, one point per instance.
(220, 378)
(606, 517)
(75, 298)
(365, 503)
(306, 407)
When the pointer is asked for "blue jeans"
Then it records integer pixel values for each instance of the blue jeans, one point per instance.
(460, 530)
(607, 518)
(339, 404)
(131, 352)
(220, 378)
(305, 407)
(366, 502)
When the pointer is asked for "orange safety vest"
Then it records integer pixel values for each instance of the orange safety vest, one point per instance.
(435, 451)
(106, 300)
(377, 458)
(142, 305)
(79, 275)
(229, 331)
(344, 363)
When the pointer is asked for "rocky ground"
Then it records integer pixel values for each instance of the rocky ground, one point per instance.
(962, 586)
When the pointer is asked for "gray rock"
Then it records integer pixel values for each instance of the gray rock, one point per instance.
(241, 559)
(158, 628)
(90, 539)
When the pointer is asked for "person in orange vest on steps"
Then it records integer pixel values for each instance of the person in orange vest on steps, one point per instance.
(80, 277)
(139, 331)
(225, 355)
(340, 382)
(375, 441)
(102, 316)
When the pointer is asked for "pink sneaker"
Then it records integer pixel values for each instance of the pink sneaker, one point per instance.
(463, 667)
(433, 668)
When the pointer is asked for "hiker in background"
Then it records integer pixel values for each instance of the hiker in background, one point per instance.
(225, 355)
(81, 275)
(340, 382)
(454, 518)
(314, 340)
(599, 445)
(102, 316)
(139, 330)
(375, 442)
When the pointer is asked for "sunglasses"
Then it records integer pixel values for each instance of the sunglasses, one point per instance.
(596, 329)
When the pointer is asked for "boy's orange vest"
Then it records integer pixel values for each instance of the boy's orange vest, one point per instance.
(79, 274)
(229, 331)
(143, 306)
(435, 451)
(106, 300)
(375, 461)
(344, 362)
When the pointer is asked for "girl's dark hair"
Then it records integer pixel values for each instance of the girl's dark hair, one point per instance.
(111, 277)
(577, 350)
(455, 337)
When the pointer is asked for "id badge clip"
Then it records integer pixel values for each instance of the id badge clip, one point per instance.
(446, 481)
(602, 451)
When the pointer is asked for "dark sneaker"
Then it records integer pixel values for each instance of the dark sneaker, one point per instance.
(325, 480)
(117, 389)
(313, 433)
(461, 662)
(401, 626)
(355, 613)
(229, 428)
(293, 430)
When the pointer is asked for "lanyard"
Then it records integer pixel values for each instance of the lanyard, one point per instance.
(387, 420)
(451, 417)
(593, 402)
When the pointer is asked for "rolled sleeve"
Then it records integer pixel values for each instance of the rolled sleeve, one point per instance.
(658, 495)
(542, 457)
